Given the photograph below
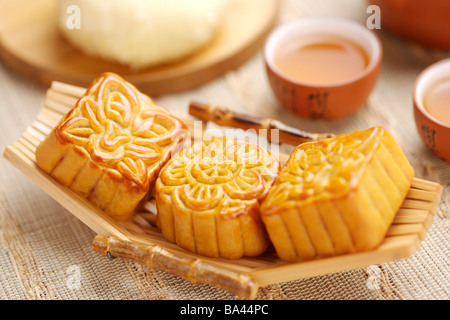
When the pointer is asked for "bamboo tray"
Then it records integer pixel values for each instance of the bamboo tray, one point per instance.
(140, 240)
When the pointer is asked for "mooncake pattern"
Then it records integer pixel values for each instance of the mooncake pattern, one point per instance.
(337, 195)
(208, 197)
(111, 145)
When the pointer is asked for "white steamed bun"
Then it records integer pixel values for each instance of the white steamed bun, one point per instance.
(141, 33)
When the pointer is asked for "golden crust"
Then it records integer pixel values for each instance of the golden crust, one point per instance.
(208, 197)
(337, 195)
(111, 145)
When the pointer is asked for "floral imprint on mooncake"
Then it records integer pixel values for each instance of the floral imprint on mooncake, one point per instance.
(324, 169)
(218, 180)
(337, 195)
(110, 146)
(117, 130)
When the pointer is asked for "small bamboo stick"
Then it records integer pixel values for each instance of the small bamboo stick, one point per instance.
(190, 269)
(225, 117)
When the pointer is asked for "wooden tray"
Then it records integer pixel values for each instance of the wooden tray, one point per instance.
(140, 240)
(31, 44)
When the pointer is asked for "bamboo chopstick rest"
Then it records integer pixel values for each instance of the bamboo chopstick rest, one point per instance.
(190, 269)
(225, 117)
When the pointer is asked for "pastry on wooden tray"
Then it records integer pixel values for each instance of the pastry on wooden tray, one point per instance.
(208, 197)
(337, 195)
(110, 146)
(141, 33)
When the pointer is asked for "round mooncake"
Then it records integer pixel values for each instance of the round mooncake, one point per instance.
(208, 197)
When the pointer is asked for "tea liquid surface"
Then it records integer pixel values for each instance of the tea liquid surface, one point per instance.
(322, 60)
(437, 101)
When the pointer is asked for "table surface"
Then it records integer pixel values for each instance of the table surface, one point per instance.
(46, 253)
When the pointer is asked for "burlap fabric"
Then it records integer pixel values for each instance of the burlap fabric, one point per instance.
(46, 253)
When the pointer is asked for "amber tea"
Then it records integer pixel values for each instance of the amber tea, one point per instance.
(322, 59)
(437, 101)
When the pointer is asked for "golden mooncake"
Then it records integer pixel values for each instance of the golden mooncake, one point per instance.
(110, 146)
(337, 195)
(208, 197)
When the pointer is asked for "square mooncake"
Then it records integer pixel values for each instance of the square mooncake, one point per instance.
(110, 146)
(337, 195)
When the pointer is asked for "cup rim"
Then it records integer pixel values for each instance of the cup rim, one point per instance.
(375, 55)
(421, 80)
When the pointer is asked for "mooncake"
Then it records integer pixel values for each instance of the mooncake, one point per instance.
(337, 195)
(110, 146)
(208, 197)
